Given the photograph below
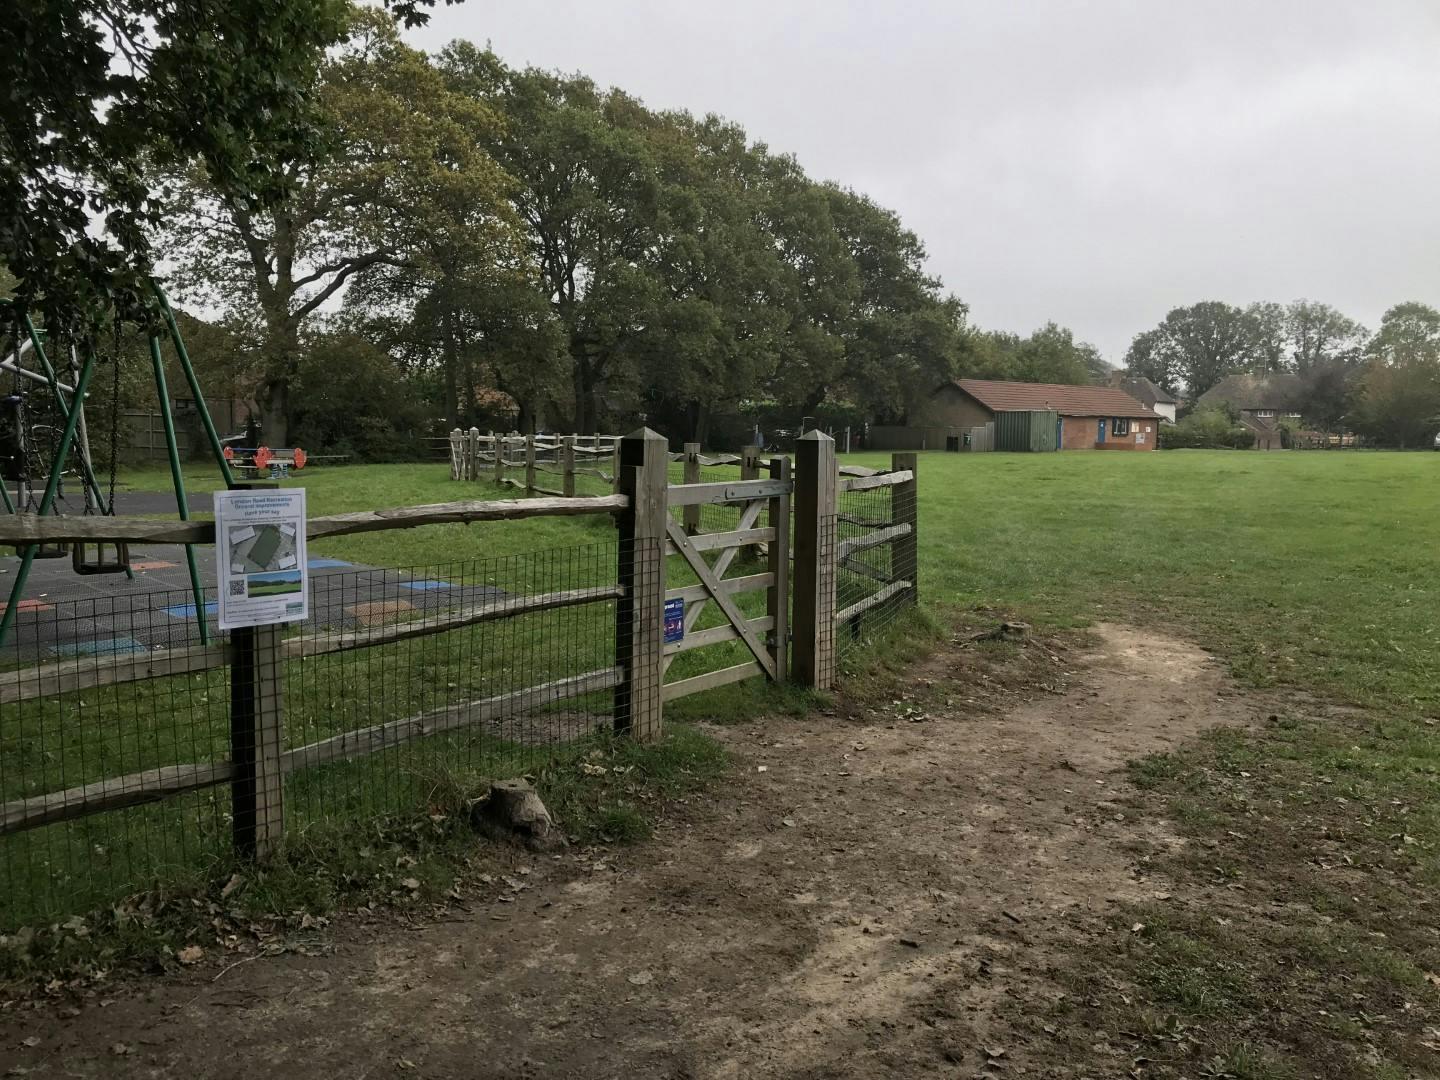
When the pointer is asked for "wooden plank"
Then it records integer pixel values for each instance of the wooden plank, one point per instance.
(777, 599)
(735, 538)
(726, 492)
(567, 466)
(25, 529)
(812, 653)
(718, 459)
(257, 733)
(121, 791)
(875, 599)
(716, 635)
(640, 616)
(48, 680)
(905, 508)
(529, 463)
(857, 470)
(353, 744)
(721, 598)
(711, 679)
(855, 566)
(690, 515)
(553, 492)
(887, 479)
(320, 644)
(869, 540)
(749, 583)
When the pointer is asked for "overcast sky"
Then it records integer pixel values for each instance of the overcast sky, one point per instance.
(1092, 163)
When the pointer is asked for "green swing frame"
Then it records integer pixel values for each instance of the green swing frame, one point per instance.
(72, 413)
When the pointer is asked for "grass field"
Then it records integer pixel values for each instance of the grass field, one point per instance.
(1312, 571)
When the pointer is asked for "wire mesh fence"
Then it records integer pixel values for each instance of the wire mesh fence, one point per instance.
(75, 741)
(870, 577)
(387, 712)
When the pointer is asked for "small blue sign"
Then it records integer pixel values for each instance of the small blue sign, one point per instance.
(674, 620)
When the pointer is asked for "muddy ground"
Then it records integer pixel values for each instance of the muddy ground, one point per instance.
(872, 891)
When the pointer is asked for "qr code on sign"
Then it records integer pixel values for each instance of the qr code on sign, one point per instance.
(237, 588)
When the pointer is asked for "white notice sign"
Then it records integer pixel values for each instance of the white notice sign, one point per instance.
(260, 557)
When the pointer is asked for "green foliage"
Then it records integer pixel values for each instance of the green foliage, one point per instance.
(1396, 399)
(349, 397)
(1214, 428)
(100, 92)
(1049, 355)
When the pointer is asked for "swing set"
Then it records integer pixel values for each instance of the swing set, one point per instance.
(41, 441)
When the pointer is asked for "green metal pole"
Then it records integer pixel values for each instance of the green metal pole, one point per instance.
(178, 477)
(7, 620)
(78, 402)
(189, 369)
(5, 495)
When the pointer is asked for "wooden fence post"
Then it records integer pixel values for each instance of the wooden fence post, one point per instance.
(691, 514)
(812, 657)
(614, 463)
(472, 459)
(905, 510)
(257, 737)
(777, 598)
(500, 445)
(640, 614)
(750, 463)
(567, 466)
(455, 463)
(529, 464)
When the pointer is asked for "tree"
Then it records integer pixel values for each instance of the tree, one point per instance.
(1409, 333)
(1197, 345)
(1049, 355)
(403, 184)
(1397, 395)
(1323, 399)
(1151, 357)
(1269, 338)
(1320, 336)
(100, 91)
(586, 194)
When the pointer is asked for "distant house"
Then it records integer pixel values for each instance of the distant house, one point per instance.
(1264, 402)
(1147, 393)
(1089, 417)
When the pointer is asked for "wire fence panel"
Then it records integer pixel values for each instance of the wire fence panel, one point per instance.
(404, 693)
(58, 751)
(873, 579)
(447, 711)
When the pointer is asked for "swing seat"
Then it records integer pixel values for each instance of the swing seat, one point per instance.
(52, 551)
(100, 558)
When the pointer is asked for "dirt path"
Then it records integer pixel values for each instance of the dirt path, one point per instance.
(880, 893)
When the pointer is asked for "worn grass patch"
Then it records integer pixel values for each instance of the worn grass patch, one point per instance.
(611, 790)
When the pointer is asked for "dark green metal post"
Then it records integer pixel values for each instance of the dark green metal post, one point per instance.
(177, 476)
(190, 378)
(7, 620)
(77, 402)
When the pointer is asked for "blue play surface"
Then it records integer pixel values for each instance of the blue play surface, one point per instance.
(107, 615)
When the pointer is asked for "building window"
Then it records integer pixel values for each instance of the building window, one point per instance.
(1265, 412)
(1119, 426)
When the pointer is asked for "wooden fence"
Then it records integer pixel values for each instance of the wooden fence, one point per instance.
(478, 456)
(788, 514)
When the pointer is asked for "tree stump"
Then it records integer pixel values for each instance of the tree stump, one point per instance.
(512, 812)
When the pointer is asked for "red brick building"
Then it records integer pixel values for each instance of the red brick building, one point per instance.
(1091, 417)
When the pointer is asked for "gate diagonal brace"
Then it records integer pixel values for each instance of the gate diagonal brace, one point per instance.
(727, 605)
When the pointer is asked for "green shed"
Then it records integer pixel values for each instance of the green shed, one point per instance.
(1031, 431)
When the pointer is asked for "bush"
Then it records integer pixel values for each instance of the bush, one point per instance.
(1212, 429)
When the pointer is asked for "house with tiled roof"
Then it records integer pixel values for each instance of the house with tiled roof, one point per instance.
(1146, 392)
(1085, 417)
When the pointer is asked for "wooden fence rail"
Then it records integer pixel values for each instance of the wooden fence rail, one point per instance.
(790, 515)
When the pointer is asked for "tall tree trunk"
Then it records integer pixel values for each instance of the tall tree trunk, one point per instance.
(283, 348)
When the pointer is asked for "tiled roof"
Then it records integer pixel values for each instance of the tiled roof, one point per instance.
(1277, 392)
(1066, 400)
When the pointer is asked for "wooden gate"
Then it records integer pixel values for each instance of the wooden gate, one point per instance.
(765, 637)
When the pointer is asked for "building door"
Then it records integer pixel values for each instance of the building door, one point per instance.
(1101, 437)
(952, 443)
(1059, 432)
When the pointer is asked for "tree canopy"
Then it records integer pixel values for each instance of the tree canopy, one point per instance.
(99, 92)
